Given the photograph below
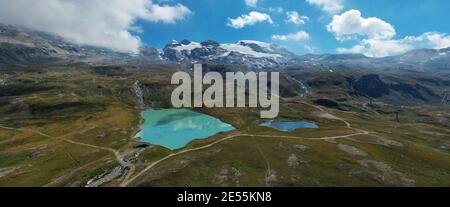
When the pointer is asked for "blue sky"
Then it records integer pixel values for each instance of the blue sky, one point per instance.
(209, 19)
(375, 28)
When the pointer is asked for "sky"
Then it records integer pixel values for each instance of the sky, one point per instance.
(376, 28)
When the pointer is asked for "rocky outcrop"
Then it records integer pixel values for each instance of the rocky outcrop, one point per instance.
(327, 103)
(352, 150)
(137, 88)
(371, 85)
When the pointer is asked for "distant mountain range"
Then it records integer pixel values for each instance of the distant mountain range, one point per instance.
(251, 53)
(415, 60)
(24, 46)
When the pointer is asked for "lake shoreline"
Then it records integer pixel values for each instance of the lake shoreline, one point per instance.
(176, 128)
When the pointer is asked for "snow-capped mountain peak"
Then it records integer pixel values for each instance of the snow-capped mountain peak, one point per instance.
(187, 46)
(247, 52)
(263, 45)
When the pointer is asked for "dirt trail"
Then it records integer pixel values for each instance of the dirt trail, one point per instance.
(337, 118)
(119, 157)
(268, 171)
(126, 182)
(62, 138)
(130, 179)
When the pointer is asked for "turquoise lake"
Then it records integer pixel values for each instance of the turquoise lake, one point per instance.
(175, 128)
(289, 126)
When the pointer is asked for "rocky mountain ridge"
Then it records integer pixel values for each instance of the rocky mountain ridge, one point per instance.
(24, 46)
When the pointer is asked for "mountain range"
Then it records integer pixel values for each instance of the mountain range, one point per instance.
(24, 46)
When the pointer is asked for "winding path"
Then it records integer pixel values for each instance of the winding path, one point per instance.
(129, 180)
(119, 157)
(62, 138)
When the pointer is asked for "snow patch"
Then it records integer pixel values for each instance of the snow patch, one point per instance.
(247, 51)
(264, 45)
(191, 46)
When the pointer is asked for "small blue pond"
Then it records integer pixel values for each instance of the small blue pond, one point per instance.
(289, 126)
(175, 128)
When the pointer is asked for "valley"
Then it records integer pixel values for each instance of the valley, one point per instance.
(70, 115)
(76, 126)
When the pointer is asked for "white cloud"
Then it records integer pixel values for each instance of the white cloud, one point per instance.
(275, 9)
(251, 3)
(329, 6)
(350, 24)
(383, 48)
(378, 48)
(298, 36)
(250, 19)
(294, 17)
(378, 36)
(430, 40)
(91, 22)
(166, 13)
(310, 49)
